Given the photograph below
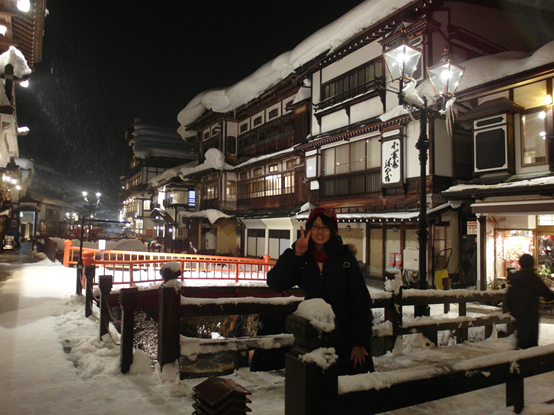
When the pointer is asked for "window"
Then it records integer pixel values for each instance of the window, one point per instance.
(311, 167)
(533, 138)
(231, 190)
(288, 182)
(290, 164)
(279, 240)
(347, 158)
(257, 121)
(206, 135)
(192, 198)
(545, 220)
(231, 144)
(147, 205)
(210, 192)
(244, 127)
(256, 242)
(360, 80)
(273, 185)
(273, 113)
(257, 172)
(273, 168)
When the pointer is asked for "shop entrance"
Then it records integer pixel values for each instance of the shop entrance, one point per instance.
(509, 246)
(545, 263)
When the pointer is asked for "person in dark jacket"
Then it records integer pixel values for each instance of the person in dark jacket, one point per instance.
(323, 267)
(524, 290)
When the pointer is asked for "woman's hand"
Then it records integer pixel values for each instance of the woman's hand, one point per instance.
(301, 245)
(358, 355)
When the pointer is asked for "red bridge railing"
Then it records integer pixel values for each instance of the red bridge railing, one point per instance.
(131, 267)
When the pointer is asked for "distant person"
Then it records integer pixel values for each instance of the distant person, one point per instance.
(524, 290)
(323, 267)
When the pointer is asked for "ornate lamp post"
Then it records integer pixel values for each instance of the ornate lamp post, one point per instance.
(401, 62)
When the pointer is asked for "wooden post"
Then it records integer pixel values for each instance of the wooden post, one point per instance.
(169, 307)
(394, 315)
(128, 300)
(90, 271)
(309, 390)
(515, 393)
(105, 285)
(462, 334)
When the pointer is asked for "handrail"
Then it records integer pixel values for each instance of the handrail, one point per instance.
(124, 266)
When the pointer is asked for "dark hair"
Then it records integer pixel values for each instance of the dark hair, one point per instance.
(327, 221)
(526, 261)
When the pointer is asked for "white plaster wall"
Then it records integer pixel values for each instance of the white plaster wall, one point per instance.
(442, 150)
(333, 121)
(367, 109)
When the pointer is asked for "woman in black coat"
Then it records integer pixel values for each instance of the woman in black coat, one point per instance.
(323, 267)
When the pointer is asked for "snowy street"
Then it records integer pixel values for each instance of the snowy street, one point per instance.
(53, 363)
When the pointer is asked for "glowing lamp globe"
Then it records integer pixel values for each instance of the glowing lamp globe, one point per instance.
(445, 76)
(402, 60)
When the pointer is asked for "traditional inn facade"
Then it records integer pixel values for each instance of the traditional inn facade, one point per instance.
(348, 145)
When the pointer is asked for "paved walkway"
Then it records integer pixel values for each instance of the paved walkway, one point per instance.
(22, 255)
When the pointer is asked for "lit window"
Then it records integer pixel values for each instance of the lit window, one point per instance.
(533, 138)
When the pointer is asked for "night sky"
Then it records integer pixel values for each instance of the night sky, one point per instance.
(106, 63)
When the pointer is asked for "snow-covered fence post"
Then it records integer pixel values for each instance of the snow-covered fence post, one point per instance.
(90, 272)
(105, 284)
(311, 371)
(393, 314)
(462, 334)
(169, 311)
(128, 299)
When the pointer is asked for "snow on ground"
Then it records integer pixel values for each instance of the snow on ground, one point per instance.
(52, 361)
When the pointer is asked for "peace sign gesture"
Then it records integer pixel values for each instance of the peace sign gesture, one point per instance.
(302, 243)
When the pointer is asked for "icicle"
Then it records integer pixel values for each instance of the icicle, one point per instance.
(450, 112)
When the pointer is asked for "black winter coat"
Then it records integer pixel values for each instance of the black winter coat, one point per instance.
(524, 290)
(341, 284)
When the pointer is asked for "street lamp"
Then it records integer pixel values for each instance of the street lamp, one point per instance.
(92, 201)
(401, 61)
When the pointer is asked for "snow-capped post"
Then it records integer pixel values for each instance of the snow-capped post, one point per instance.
(90, 272)
(311, 369)
(105, 284)
(393, 284)
(169, 306)
(128, 300)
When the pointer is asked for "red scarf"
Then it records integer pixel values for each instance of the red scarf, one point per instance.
(319, 257)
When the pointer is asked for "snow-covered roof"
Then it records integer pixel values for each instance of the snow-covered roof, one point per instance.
(520, 183)
(323, 41)
(393, 216)
(153, 141)
(486, 69)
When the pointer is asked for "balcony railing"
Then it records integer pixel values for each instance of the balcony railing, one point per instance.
(367, 181)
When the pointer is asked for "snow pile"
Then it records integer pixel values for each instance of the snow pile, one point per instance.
(322, 357)
(211, 214)
(324, 40)
(215, 159)
(318, 313)
(14, 57)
